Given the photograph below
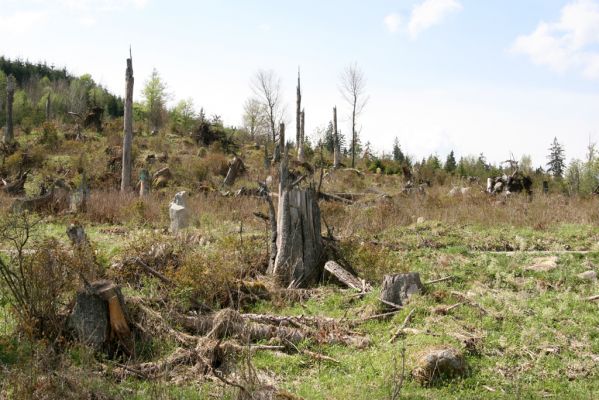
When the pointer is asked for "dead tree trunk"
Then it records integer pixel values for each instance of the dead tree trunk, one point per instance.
(11, 85)
(128, 128)
(299, 242)
(298, 111)
(300, 154)
(336, 144)
(235, 169)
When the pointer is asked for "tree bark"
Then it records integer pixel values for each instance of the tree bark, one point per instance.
(144, 183)
(299, 242)
(300, 153)
(128, 129)
(11, 85)
(345, 277)
(337, 149)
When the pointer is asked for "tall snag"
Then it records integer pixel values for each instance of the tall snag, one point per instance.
(298, 261)
(11, 85)
(128, 128)
(336, 144)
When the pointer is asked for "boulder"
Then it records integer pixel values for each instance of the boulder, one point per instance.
(439, 363)
(398, 288)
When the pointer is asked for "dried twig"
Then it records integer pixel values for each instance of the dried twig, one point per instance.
(403, 326)
(447, 278)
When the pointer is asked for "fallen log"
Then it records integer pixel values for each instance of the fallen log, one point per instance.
(345, 277)
(332, 197)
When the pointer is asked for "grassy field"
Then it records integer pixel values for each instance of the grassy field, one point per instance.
(525, 332)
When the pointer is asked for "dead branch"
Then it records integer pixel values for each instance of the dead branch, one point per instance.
(403, 326)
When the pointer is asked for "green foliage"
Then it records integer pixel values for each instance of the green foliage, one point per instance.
(450, 163)
(155, 97)
(557, 159)
(183, 117)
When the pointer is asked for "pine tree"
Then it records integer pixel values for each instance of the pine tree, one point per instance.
(450, 163)
(397, 153)
(557, 159)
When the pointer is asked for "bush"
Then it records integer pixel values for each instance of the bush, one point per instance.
(49, 136)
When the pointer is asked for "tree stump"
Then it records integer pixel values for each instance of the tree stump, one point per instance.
(144, 183)
(398, 288)
(299, 244)
(178, 213)
(99, 316)
(236, 167)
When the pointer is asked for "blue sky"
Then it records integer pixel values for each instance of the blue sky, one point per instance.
(498, 77)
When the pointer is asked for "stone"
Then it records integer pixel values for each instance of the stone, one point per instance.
(588, 276)
(178, 213)
(420, 221)
(440, 363)
(398, 288)
(543, 264)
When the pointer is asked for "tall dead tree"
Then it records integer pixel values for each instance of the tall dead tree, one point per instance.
(298, 261)
(300, 154)
(353, 85)
(298, 112)
(11, 85)
(336, 144)
(128, 128)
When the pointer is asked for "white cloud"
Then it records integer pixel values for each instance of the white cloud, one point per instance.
(22, 21)
(430, 13)
(102, 5)
(568, 43)
(392, 22)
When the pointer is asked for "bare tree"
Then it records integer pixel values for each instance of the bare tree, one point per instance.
(353, 87)
(128, 128)
(267, 87)
(254, 117)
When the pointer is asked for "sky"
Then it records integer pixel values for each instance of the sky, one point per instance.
(501, 77)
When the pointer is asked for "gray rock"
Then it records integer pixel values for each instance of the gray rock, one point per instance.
(398, 288)
(588, 276)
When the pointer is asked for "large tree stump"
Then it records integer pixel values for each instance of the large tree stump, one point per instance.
(178, 213)
(299, 244)
(398, 288)
(99, 317)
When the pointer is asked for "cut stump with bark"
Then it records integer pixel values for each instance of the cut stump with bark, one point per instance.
(236, 167)
(398, 288)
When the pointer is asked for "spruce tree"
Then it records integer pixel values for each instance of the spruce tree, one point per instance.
(450, 163)
(397, 153)
(557, 159)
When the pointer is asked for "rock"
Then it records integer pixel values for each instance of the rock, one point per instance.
(440, 363)
(178, 213)
(398, 288)
(588, 276)
(543, 264)
(420, 221)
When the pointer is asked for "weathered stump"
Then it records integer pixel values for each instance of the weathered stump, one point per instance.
(299, 244)
(236, 167)
(178, 213)
(99, 317)
(398, 288)
(144, 183)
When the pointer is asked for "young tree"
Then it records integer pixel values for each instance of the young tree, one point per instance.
(353, 86)
(337, 141)
(128, 127)
(10, 93)
(450, 163)
(557, 159)
(183, 116)
(397, 153)
(254, 118)
(155, 97)
(267, 87)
